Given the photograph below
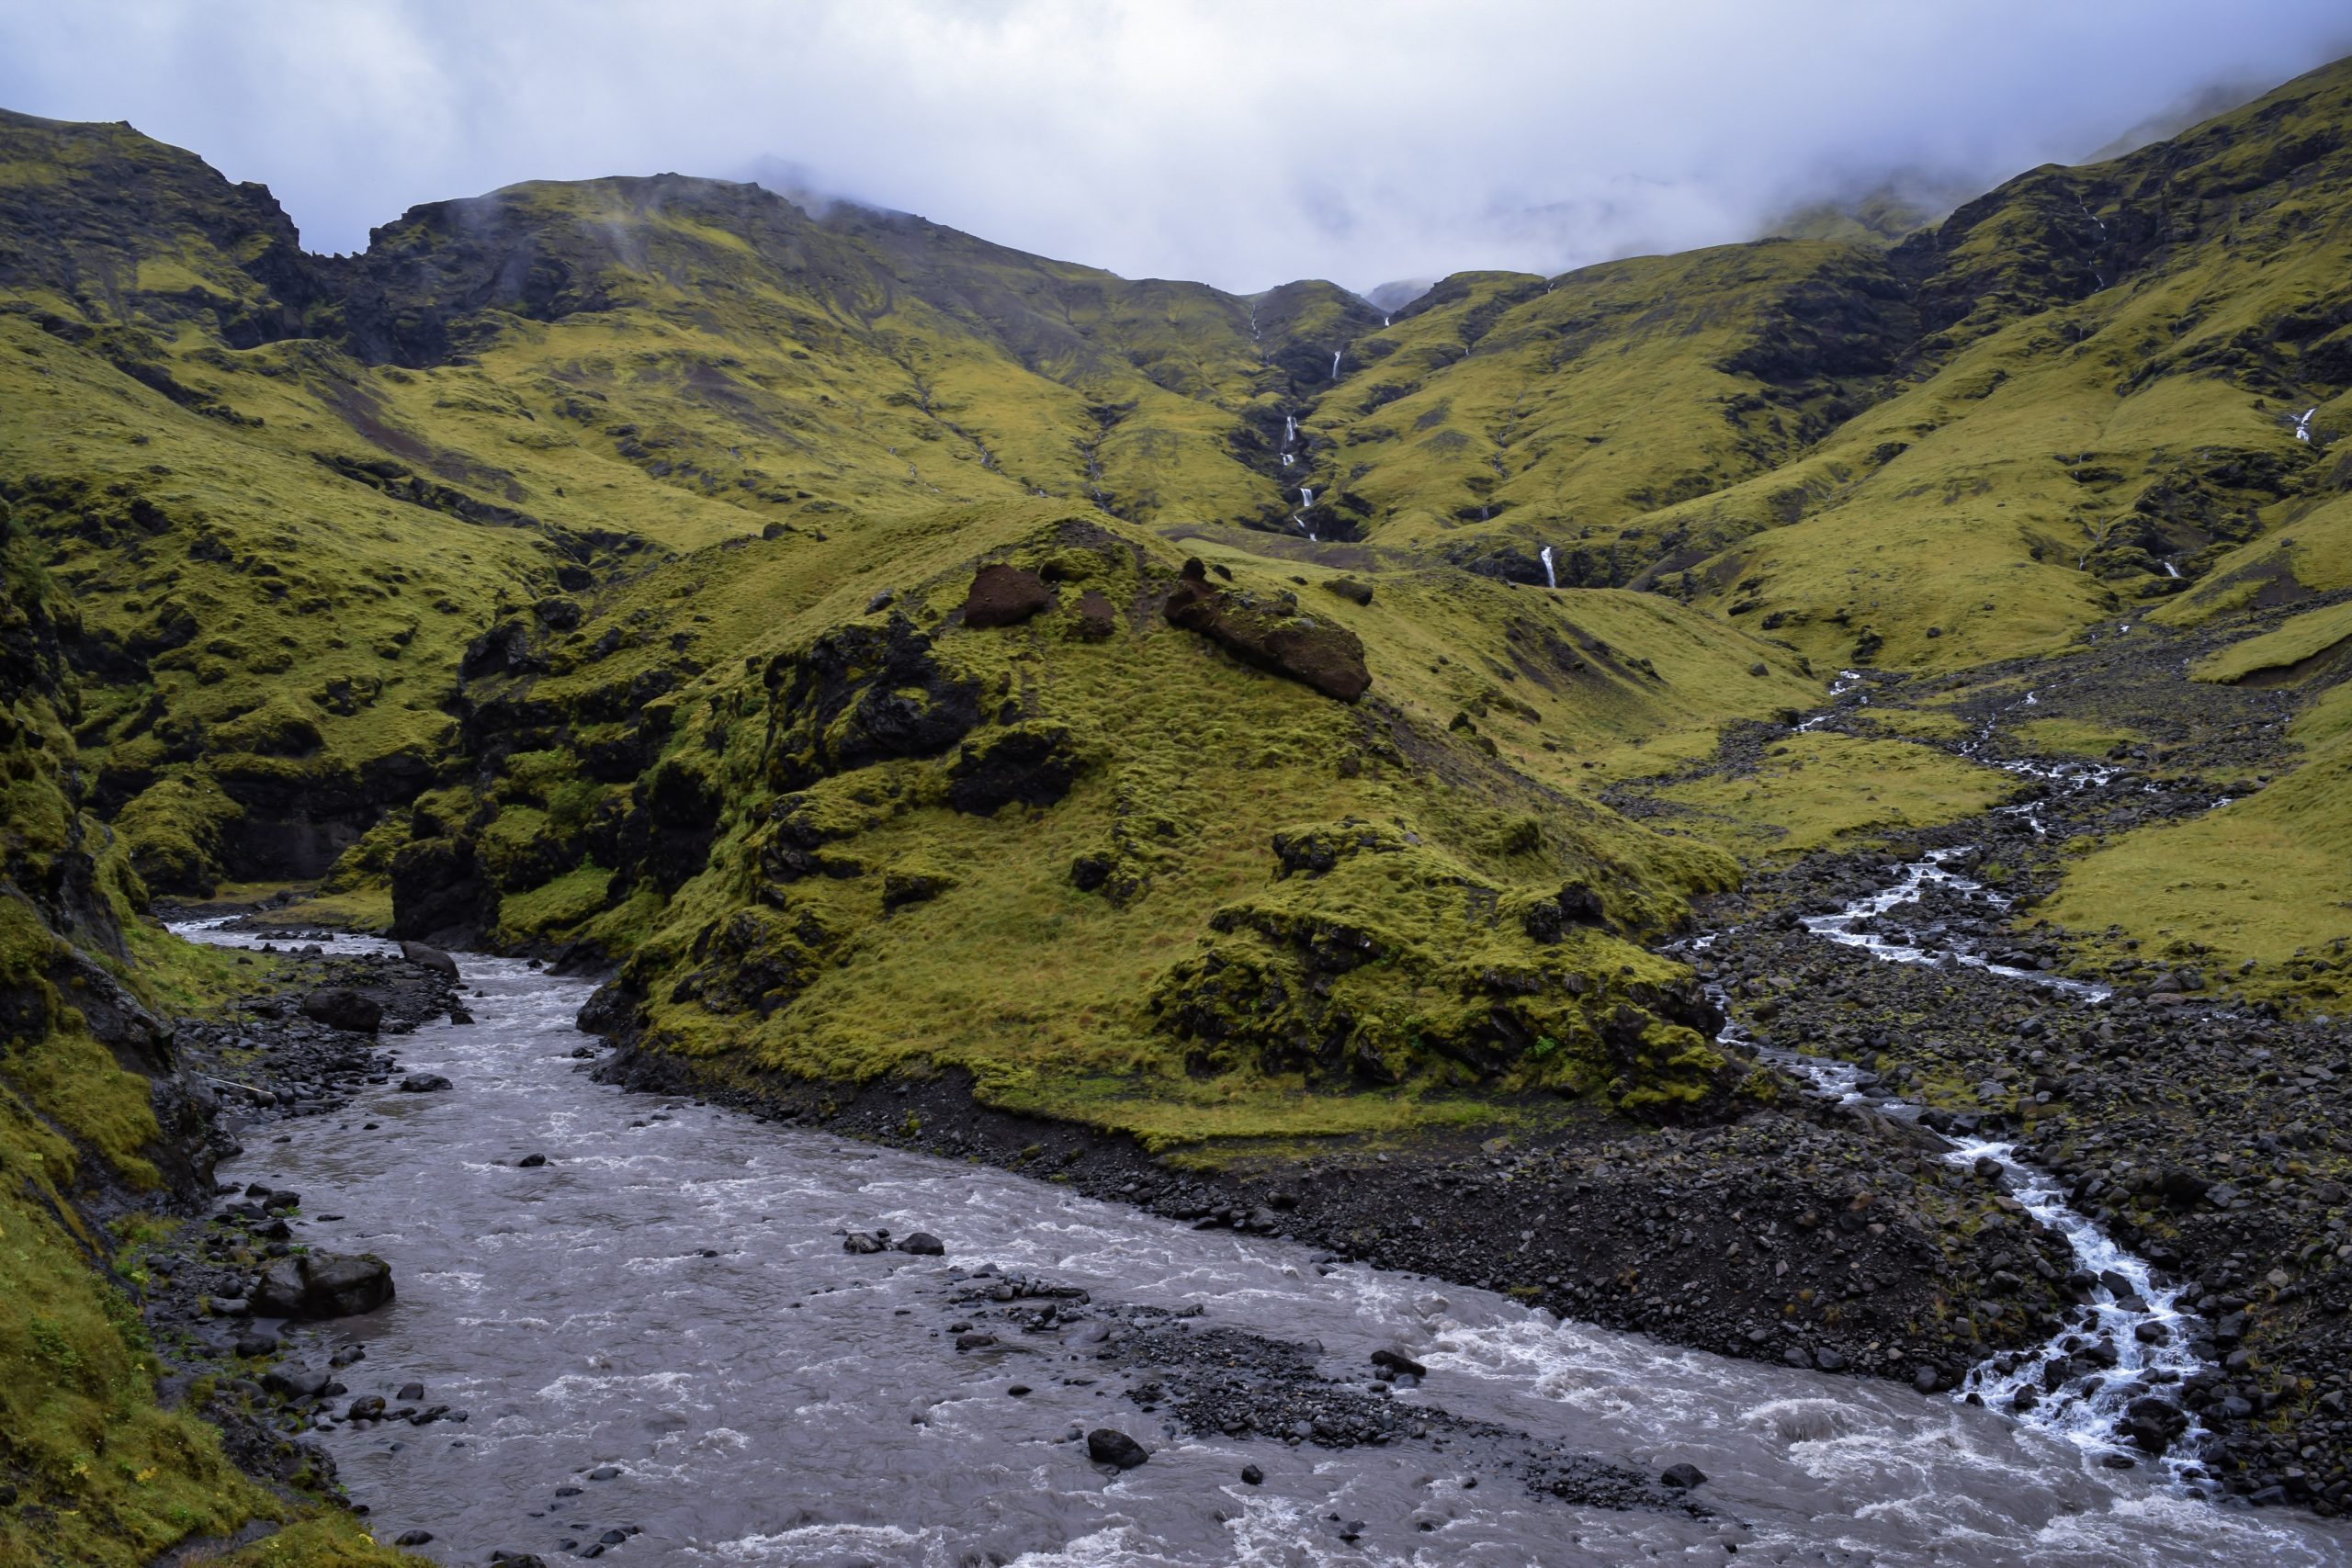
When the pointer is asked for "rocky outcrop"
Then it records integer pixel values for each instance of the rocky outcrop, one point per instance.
(1272, 635)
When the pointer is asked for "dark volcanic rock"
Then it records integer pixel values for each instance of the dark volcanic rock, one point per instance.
(321, 1284)
(1108, 1445)
(924, 1243)
(1004, 596)
(1273, 636)
(432, 958)
(1033, 763)
(339, 1007)
(425, 1083)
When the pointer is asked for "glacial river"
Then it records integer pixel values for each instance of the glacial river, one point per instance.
(658, 1335)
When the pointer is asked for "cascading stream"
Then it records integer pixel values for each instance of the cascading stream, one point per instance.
(2129, 1316)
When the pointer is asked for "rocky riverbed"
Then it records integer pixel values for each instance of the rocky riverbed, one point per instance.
(641, 1326)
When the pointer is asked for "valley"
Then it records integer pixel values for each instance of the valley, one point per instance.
(1770, 827)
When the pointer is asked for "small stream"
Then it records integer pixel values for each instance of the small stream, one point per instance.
(659, 1331)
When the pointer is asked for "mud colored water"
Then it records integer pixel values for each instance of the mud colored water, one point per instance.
(669, 1298)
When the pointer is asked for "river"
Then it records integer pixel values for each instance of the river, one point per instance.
(661, 1322)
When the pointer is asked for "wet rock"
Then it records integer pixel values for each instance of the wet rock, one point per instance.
(425, 1083)
(862, 1242)
(412, 1538)
(1004, 596)
(369, 1407)
(1398, 1362)
(605, 1472)
(321, 1284)
(924, 1244)
(1108, 1445)
(1682, 1477)
(531, 1162)
(410, 1392)
(339, 1007)
(1252, 1476)
(295, 1382)
(431, 958)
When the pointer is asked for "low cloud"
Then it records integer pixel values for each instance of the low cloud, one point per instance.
(1240, 144)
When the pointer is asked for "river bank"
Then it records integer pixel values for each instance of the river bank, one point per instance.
(656, 1329)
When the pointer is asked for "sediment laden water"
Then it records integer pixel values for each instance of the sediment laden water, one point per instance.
(669, 1297)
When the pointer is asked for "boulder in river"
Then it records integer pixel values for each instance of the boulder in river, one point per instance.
(322, 1284)
(431, 958)
(1398, 1362)
(862, 1241)
(1682, 1477)
(924, 1243)
(425, 1083)
(339, 1007)
(1108, 1445)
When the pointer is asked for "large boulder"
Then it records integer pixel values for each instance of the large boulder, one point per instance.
(1272, 635)
(1004, 596)
(322, 1284)
(339, 1007)
(431, 958)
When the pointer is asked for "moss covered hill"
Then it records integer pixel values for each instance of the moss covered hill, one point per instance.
(831, 617)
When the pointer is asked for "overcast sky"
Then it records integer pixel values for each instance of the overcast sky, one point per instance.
(1245, 144)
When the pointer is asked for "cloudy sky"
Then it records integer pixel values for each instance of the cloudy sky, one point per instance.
(1240, 143)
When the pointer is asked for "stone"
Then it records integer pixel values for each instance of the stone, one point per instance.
(1004, 596)
(431, 958)
(1325, 657)
(531, 1162)
(1398, 1362)
(322, 1284)
(339, 1007)
(861, 1242)
(1108, 1445)
(1252, 1476)
(295, 1382)
(1098, 619)
(1682, 1477)
(923, 1243)
(425, 1083)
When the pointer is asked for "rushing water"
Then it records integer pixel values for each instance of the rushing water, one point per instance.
(669, 1297)
(1550, 581)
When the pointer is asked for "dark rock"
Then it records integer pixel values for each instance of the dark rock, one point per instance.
(431, 958)
(531, 1162)
(862, 1242)
(369, 1407)
(321, 1284)
(1004, 596)
(1682, 1477)
(1033, 763)
(1398, 1362)
(339, 1007)
(1350, 590)
(1327, 658)
(1252, 1476)
(410, 1392)
(1097, 618)
(605, 1472)
(295, 1382)
(923, 1242)
(425, 1083)
(412, 1538)
(1107, 1445)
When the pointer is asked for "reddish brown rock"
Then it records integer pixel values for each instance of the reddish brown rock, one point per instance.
(1276, 638)
(1096, 618)
(1004, 596)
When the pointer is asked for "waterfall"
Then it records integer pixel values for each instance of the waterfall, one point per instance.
(2171, 570)
(1335, 365)
(1549, 580)
(2302, 422)
(1306, 496)
(1383, 321)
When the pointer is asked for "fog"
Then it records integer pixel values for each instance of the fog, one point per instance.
(1240, 144)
